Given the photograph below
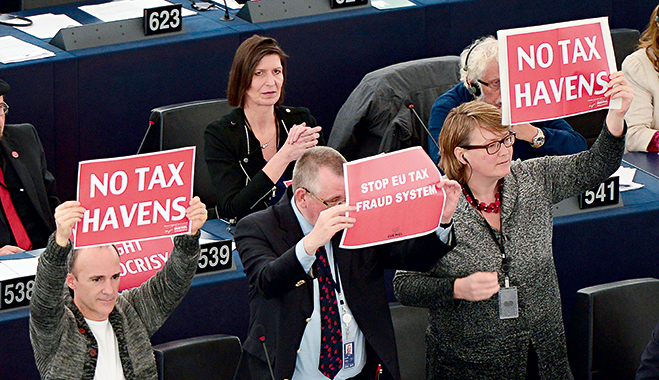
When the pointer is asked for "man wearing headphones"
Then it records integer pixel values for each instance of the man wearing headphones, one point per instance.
(479, 75)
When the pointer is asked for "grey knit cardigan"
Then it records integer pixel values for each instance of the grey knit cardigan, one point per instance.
(467, 340)
(64, 346)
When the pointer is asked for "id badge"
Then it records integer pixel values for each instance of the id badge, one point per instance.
(508, 307)
(349, 355)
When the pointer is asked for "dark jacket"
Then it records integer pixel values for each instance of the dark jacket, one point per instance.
(280, 291)
(649, 368)
(22, 147)
(230, 163)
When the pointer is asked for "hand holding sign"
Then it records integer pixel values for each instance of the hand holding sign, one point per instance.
(329, 222)
(66, 216)
(197, 214)
(453, 190)
(618, 89)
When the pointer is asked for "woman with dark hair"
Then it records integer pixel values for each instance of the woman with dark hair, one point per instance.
(494, 303)
(250, 151)
(641, 69)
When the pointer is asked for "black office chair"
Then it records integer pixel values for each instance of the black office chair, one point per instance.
(180, 125)
(410, 324)
(625, 42)
(375, 117)
(210, 357)
(611, 325)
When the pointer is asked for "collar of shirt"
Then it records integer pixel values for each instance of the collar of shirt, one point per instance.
(304, 224)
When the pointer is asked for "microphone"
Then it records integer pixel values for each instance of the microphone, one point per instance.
(154, 118)
(410, 105)
(226, 13)
(259, 331)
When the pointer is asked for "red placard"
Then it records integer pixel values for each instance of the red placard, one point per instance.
(140, 260)
(395, 196)
(134, 198)
(555, 70)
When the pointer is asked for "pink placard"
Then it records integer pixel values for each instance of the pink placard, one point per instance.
(553, 71)
(140, 260)
(135, 198)
(395, 196)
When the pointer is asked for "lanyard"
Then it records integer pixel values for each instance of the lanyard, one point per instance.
(505, 259)
(346, 317)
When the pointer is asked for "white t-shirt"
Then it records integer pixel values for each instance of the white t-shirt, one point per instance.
(108, 365)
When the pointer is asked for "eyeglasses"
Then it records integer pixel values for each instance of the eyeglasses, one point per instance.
(494, 147)
(202, 6)
(495, 84)
(326, 203)
(5, 108)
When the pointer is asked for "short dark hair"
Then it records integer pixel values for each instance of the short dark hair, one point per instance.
(247, 57)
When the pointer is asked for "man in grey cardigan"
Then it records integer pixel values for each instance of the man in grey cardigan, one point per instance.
(90, 331)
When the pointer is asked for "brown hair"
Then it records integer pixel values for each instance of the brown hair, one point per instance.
(308, 165)
(458, 130)
(247, 57)
(650, 39)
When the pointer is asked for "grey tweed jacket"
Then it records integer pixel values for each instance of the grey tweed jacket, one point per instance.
(64, 346)
(467, 340)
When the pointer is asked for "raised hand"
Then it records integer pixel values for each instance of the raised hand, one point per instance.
(197, 214)
(329, 222)
(66, 216)
(453, 190)
(619, 88)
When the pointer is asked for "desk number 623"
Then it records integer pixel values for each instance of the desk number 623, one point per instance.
(161, 20)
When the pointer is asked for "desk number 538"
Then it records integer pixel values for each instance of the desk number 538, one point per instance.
(17, 292)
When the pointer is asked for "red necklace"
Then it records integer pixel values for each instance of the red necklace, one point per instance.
(493, 207)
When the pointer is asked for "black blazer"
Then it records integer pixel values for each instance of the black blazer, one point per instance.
(280, 291)
(229, 162)
(30, 165)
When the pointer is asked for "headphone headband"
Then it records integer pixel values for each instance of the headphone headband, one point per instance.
(473, 46)
(474, 88)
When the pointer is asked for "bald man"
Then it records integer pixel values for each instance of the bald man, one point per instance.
(91, 331)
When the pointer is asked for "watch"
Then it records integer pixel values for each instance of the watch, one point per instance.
(539, 139)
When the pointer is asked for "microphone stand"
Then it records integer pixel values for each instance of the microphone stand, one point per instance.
(226, 17)
(410, 105)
